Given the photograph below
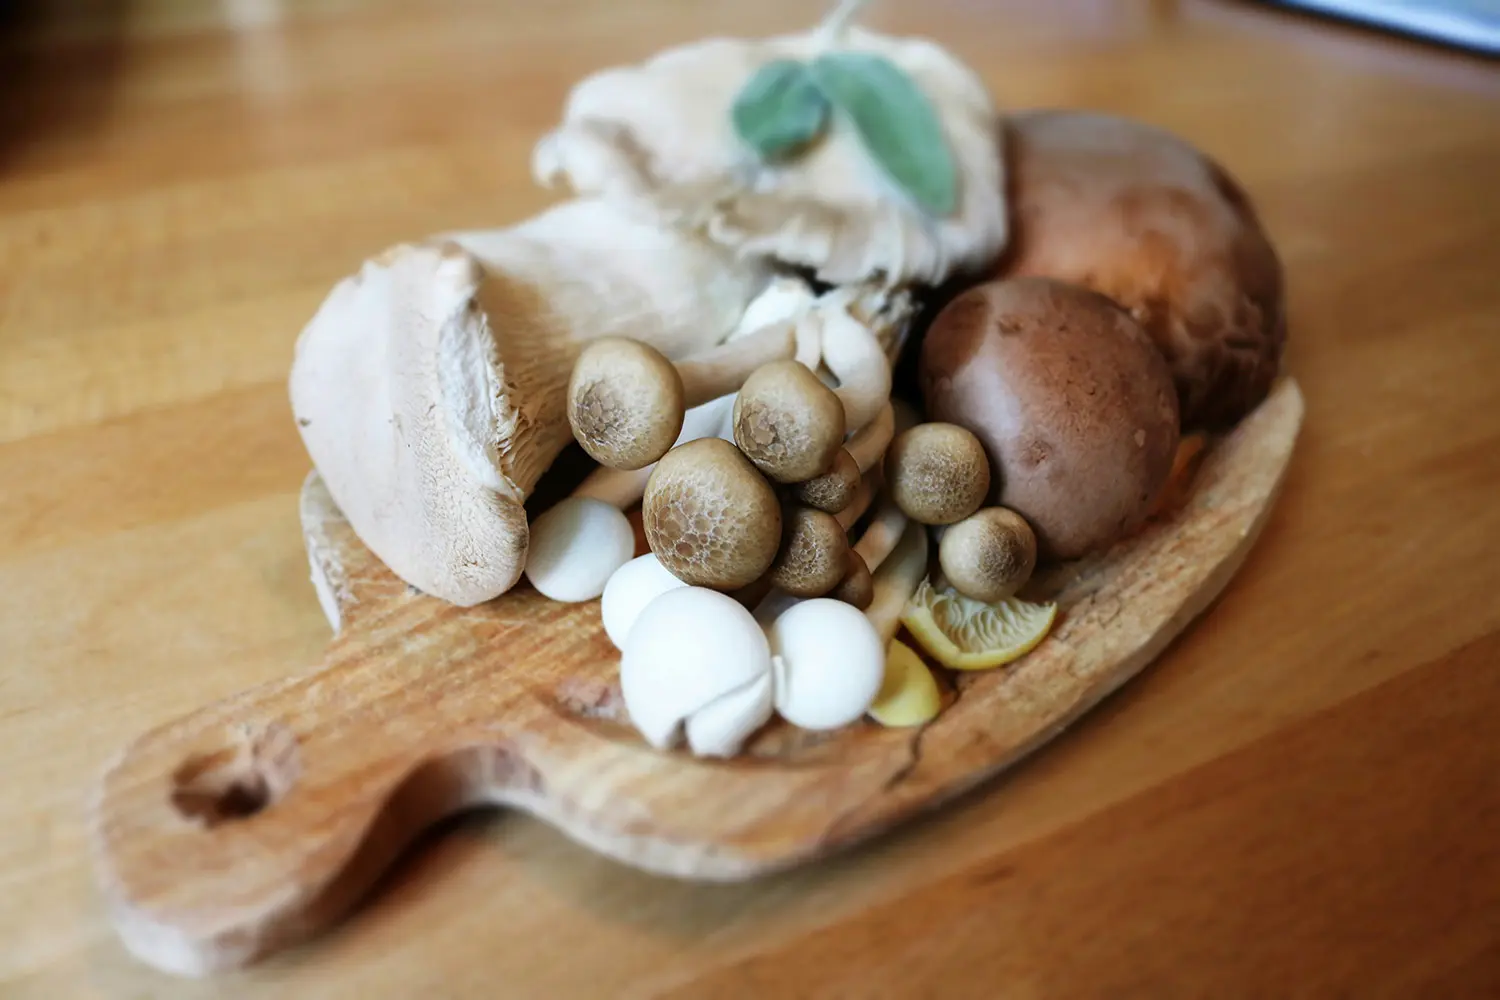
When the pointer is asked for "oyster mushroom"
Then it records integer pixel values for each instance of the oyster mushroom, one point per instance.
(660, 134)
(710, 517)
(429, 388)
(697, 664)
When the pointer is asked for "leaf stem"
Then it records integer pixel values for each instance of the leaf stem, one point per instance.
(831, 31)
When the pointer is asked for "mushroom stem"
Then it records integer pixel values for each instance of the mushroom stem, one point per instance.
(896, 580)
(869, 443)
(864, 493)
(884, 531)
(724, 369)
(855, 358)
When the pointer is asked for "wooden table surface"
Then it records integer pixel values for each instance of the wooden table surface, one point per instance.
(1302, 798)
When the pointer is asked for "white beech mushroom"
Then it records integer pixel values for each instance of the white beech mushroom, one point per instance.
(829, 659)
(938, 473)
(626, 400)
(630, 589)
(429, 388)
(710, 517)
(696, 662)
(989, 555)
(788, 423)
(660, 134)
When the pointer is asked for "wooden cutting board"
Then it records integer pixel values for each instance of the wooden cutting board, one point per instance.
(255, 822)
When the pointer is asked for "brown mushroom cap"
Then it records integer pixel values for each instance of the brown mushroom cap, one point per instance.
(1138, 214)
(858, 586)
(834, 489)
(787, 422)
(989, 555)
(814, 553)
(1074, 405)
(937, 472)
(709, 517)
(625, 403)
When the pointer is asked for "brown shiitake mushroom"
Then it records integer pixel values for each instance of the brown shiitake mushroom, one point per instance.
(1138, 214)
(858, 586)
(937, 473)
(814, 553)
(787, 422)
(989, 555)
(1073, 403)
(711, 519)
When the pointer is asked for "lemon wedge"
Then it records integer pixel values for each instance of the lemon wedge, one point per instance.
(908, 696)
(965, 634)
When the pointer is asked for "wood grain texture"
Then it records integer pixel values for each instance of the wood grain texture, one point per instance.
(1297, 799)
(255, 822)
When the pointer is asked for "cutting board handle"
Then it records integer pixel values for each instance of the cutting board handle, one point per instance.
(255, 822)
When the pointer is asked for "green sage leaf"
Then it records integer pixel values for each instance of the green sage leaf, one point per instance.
(780, 110)
(898, 125)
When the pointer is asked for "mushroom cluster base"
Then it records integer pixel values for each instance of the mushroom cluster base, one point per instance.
(258, 821)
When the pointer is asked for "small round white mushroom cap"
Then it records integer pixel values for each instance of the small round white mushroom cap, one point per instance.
(696, 659)
(576, 546)
(633, 586)
(829, 663)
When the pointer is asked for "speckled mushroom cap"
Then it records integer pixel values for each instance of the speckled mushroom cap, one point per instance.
(1138, 214)
(711, 519)
(1073, 404)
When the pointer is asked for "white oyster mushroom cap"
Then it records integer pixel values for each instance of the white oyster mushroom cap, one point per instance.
(633, 586)
(576, 546)
(659, 133)
(829, 661)
(693, 649)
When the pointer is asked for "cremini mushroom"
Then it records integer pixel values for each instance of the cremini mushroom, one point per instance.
(696, 663)
(710, 517)
(787, 422)
(937, 473)
(429, 388)
(1073, 403)
(989, 555)
(626, 400)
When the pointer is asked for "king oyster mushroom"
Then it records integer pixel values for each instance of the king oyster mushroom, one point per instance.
(429, 389)
(660, 133)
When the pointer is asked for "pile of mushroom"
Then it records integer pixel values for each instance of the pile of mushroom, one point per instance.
(714, 317)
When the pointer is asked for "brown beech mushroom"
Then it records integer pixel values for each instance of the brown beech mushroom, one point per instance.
(864, 450)
(989, 555)
(858, 586)
(711, 519)
(1071, 400)
(787, 422)
(626, 400)
(814, 553)
(1138, 214)
(937, 473)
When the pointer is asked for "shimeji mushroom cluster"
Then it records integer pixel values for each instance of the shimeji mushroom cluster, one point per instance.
(753, 463)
